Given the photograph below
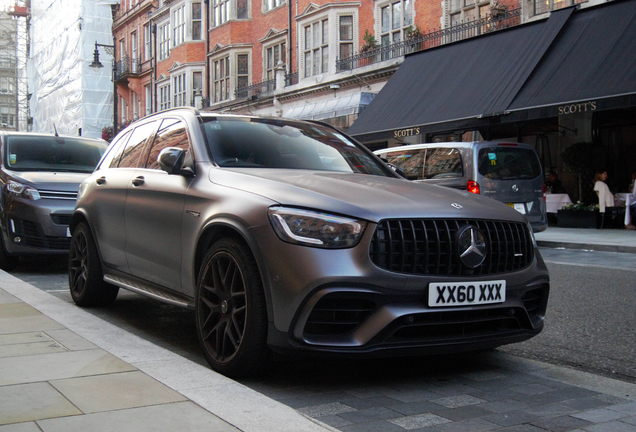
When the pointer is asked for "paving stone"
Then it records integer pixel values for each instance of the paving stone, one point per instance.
(376, 426)
(506, 405)
(512, 418)
(561, 424)
(629, 420)
(522, 428)
(414, 408)
(627, 408)
(370, 402)
(599, 415)
(532, 389)
(419, 421)
(326, 409)
(411, 395)
(35, 401)
(614, 426)
(332, 420)
(21, 427)
(550, 410)
(587, 403)
(474, 425)
(369, 415)
(458, 401)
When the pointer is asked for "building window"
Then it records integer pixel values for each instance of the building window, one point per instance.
(220, 11)
(316, 48)
(197, 84)
(196, 21)
(147, 42)
(164, 41)
(242, 71)
(241, 9)
(164, 97)
(179, 90)
(272, 4)
(179, 26)
(394, 19)
(273, 55)
(7, 85)
(134, 52)
(467, 10)
(346, 36)
(122, 103)
(221, 79)
(135, 106)
(542, 6)
(148, 91)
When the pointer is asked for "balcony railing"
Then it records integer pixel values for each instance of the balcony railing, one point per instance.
(263, 88)
(429, 40)
(127, 66)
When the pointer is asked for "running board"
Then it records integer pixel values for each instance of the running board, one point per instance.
(148, 291)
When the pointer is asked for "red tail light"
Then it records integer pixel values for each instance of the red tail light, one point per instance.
(473, 187)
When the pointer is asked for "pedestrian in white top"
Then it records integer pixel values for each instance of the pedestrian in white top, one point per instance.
(605, 197)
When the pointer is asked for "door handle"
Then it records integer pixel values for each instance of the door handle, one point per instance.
(138, 181)
(101, 180)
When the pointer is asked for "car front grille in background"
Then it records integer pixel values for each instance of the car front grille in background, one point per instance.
(61, 195)
(429, 246)
(32, 235)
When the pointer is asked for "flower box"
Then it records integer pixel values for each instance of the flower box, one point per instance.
(577, 218)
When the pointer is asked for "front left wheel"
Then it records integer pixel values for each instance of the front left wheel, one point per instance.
(85, 277)
(231, 316)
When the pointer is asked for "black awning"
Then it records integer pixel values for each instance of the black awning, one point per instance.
(575, 56)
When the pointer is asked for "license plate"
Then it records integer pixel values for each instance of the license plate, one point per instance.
(519, 207)
(466, 293)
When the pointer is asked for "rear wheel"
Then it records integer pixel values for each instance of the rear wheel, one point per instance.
(230, 311)
(85, 276)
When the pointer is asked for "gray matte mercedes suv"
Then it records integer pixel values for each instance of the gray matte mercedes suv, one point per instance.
(289, 236)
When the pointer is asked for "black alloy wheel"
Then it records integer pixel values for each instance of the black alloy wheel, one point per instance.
(85, 278)
(230, 311)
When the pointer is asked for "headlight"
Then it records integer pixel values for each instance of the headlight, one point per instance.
(315, 229)
(23, 191)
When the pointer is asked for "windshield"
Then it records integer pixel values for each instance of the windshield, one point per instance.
(508, 163)
(44, 153)
(261, 143)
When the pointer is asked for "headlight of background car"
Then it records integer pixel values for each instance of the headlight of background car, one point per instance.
(23, 191)
(315, 229)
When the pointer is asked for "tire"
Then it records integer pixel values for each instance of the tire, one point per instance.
(85, 277)
(7, 262)
(231, 316)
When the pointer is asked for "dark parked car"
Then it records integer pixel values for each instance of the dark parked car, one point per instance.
(39, 179)
(288, 236)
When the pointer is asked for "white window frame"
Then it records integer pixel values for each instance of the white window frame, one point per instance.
(148, 94)
(315, 45)
(134, 48)
(164, 96)
(269, 5)
(220, 82)
(178, 26)
(135, 106)
(122, 110)
(147, 42)
(459, 11)
(179, 93)
(395, 32)
(163, 35)
(197, 35)
(269, 58)
(194, 81)
(220, 12)
(231, 81)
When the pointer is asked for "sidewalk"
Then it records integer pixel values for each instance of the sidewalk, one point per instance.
(61, 369)
(608, 240)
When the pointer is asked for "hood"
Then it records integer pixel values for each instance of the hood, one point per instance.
(53, 181)
(367, 197)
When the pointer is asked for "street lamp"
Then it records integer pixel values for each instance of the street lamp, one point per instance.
(96, 66)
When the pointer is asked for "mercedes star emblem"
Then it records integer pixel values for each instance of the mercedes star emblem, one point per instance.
(471, 246)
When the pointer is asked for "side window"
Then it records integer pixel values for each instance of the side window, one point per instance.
(114, 152)
(134, 148)
(171, 133)
(411, 162)
(443, 163)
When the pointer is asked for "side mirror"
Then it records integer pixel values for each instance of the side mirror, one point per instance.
(172, 160)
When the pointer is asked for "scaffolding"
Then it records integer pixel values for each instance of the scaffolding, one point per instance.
(14, 52)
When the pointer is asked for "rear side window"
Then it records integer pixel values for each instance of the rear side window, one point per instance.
(171, 133)
(443, 163)
(508, 163)
(411, 162)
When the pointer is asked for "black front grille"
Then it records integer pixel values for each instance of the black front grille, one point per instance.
(61, 219)
(32, 235)
(449, 325)
(335, 315)
(429, 246)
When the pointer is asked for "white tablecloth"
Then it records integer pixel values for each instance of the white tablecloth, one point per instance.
(554, 202)
(628, 198)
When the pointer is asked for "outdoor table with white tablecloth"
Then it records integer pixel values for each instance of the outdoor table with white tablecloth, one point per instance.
(628, 198)
(555, 202)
